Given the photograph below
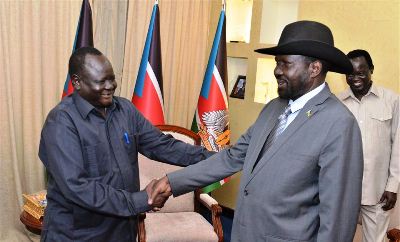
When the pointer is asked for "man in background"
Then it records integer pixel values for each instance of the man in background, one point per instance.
(89, 145)
(301, 160)
(377, 112)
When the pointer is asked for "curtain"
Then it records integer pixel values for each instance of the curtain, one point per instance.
(35, 41)
(109, 30)
(36, 38)
(184, 27)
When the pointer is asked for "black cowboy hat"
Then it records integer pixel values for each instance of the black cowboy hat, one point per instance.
(311, 39)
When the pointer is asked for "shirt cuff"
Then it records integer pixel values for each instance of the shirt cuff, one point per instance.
(392, 185)
(140, 202)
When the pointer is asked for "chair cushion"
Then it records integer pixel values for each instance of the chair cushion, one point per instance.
(182, 137)
(178, 227)
(150, 169)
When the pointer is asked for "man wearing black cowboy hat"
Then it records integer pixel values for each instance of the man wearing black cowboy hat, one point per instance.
(301, 160)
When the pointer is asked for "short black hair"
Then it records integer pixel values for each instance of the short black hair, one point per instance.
(358, 53)
(77, 59)
(325, 64)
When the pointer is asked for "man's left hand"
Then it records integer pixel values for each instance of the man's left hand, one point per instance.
(159, 193)
(156, 201)
(389, 198)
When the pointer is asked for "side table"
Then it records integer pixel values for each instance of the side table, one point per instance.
(31, 223)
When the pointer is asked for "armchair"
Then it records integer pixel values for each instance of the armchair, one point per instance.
(179, 219)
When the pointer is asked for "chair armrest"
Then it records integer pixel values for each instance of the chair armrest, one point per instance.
(394, 235)
(207, 200)
(216, 210)
(141, 227)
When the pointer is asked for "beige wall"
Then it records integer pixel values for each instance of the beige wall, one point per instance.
(369, 25)
(372, 25)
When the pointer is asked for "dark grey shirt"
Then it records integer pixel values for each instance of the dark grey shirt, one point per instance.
(93, 186)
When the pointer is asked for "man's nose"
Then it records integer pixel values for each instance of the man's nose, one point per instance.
(109, 84)
(277, 71)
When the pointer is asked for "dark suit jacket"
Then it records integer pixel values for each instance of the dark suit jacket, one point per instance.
(306, 187)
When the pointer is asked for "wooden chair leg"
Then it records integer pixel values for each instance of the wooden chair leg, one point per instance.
(216, 211)
(141, 228)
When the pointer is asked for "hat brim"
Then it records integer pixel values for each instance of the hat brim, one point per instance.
(336, 58)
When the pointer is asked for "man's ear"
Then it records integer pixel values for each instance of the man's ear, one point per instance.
(371, 70)
(76, 81)
(315, 68)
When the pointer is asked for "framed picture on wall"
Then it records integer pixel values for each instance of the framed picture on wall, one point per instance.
(239, 88)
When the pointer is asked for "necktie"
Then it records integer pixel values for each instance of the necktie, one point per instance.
(275, 132)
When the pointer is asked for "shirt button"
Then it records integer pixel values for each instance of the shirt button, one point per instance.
(246, 192)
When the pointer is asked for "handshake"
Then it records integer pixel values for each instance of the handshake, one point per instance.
(158, 192)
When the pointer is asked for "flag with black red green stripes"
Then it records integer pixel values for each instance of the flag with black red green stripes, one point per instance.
(211, 120)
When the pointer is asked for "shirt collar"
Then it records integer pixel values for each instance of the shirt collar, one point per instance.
(349, 93)
(299, 103)
(346, 94)
(374, 90)
(84, 107)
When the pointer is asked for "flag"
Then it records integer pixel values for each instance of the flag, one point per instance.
(148, 94)
(83, 38)
(211, 119)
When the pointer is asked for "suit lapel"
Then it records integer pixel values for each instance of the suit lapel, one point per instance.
(305, 114)
(270, 121)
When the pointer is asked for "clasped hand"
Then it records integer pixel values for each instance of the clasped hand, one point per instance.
(158, 192)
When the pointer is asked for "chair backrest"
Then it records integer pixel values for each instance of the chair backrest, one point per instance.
(150, 169)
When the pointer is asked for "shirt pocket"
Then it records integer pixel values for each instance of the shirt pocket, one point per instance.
(131, 143)
(380, 124)
(97, 159)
